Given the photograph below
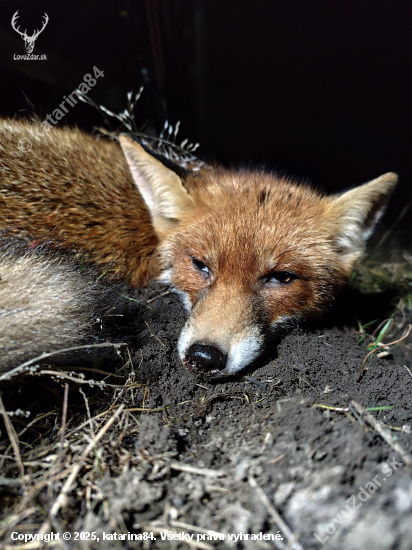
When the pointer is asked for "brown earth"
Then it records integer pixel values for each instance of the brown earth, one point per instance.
(242, 455)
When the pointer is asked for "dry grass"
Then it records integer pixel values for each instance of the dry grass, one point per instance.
(51, 465)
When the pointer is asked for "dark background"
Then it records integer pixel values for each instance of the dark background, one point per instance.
(321, 90)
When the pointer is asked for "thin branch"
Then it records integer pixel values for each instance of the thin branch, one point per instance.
(64, 414)
(382, 432)
(59, 502)
(292, 543)
(14, 440)
(21, 368)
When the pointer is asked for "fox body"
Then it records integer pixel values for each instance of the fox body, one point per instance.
(76, 191)
(247, 251)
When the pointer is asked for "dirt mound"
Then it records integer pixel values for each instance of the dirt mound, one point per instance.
(281, 457)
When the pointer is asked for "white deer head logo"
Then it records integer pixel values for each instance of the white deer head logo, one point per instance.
(29, 41)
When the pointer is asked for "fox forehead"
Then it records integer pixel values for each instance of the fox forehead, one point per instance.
(250, 217)
(227, 187)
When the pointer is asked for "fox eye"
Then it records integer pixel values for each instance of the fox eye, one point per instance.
(280, 277)
(200, 266)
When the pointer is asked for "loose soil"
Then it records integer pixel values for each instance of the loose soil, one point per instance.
(280, 443)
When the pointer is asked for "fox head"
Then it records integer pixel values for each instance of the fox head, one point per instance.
(249, 251)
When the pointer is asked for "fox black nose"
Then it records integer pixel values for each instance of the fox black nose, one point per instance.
(206, 359)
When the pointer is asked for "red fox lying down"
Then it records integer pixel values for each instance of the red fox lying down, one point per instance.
(247, 251)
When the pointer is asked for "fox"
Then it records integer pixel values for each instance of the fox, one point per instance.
(248, 251)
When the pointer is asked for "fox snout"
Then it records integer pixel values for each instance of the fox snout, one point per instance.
(225, 330)
(209, 360)
(205, 359)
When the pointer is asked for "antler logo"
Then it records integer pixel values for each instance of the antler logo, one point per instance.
(29, 41)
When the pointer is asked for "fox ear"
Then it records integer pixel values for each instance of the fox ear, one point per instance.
(354, 214)
(161, 188)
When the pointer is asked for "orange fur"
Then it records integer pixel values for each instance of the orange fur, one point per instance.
(76, 191)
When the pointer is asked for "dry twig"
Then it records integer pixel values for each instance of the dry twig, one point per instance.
(158, 296)
(154, 335)
(197, 471)
(382, 432)
(64, 414)
(59, 502)
(292, 543)
(23, 367)
(14, 440)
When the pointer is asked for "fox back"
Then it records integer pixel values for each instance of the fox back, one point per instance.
(74, 190)
(247, 251)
